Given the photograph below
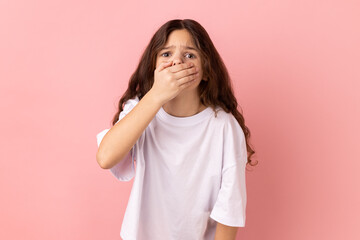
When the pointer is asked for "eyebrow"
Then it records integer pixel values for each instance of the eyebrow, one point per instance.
(172, 46)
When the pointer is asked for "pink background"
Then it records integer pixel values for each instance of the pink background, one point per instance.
(295, 69)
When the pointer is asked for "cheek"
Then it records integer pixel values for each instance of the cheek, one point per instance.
(158, 62)
(200, 71)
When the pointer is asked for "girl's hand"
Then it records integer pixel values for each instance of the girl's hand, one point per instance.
(169, 80)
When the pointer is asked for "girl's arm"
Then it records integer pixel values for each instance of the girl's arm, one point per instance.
(119, 140)
(224, 232)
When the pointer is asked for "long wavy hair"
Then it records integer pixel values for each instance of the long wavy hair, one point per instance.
(216, 91)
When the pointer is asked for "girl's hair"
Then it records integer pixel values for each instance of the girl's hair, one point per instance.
(217, 91)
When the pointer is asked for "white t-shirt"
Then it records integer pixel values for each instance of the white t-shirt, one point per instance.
(190, 174)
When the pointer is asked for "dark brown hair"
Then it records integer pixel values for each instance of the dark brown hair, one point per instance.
(216, 91)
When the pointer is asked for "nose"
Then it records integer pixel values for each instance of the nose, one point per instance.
(177, 60)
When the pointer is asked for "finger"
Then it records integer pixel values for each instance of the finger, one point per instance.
(186, 72)
(180, 67)
(183, 82)
(163, 65)
(187, 84)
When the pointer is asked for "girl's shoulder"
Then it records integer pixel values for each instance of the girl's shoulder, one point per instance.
(221, 115)
(226, 120)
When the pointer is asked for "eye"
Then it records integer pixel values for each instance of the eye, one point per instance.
(192, 55)
(164, 53)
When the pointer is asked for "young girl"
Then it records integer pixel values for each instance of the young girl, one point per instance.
(181, 125)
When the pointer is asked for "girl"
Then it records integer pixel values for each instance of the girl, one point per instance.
(181, 125)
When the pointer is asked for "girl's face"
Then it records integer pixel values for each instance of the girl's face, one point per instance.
(178, 49)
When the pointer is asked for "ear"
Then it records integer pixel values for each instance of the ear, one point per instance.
(205, 77)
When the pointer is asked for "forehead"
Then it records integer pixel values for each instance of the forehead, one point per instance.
(180, 38)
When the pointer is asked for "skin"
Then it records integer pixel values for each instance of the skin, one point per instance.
(224, 232)
(187, 102)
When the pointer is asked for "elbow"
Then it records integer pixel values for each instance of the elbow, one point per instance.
(101, 161)
(106, 162)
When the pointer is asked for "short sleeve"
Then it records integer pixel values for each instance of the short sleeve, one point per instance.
(230, 205)
(125, 169)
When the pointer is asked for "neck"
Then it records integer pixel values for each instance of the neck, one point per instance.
(185, 104)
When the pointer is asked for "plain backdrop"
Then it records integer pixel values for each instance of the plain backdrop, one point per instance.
(295, 70)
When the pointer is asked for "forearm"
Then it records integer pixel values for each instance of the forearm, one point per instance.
(119, 140)
(224, 232)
